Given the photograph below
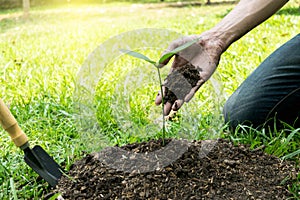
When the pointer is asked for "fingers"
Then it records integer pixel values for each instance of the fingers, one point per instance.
(167, 105)
(158, 98)
(167, 108)
(177, 104)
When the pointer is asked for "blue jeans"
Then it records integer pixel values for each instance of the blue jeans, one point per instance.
(271, 92)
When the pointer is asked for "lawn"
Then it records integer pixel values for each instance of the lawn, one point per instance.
(40, 59)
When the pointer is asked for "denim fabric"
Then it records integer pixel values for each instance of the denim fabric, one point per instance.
(272, 91)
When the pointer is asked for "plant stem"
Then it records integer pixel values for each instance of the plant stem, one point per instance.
(162, 105)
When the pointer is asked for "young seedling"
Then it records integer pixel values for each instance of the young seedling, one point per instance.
(157, 66)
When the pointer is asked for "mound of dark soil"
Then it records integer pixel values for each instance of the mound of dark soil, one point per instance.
(202, 170)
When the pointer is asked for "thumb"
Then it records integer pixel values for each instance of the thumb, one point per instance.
(175, 44)
(165, 61)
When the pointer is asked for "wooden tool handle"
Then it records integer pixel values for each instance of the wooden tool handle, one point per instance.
(10, 124)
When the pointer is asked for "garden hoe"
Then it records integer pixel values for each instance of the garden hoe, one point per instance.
(36, 157)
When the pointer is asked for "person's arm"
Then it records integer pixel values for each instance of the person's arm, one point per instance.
(243, 18)
(205, 55)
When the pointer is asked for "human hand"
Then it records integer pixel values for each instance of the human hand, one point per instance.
(191, 68)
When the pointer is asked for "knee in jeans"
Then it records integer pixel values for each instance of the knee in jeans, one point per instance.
(227, 110)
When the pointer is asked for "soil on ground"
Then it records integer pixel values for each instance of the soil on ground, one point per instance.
(180, 82)
(213, 169)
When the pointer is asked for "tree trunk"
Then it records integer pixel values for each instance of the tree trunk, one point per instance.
(26, 7)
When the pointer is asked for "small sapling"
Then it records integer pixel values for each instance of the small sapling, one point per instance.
(157, 65)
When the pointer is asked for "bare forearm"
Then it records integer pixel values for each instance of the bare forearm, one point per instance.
(243, 18)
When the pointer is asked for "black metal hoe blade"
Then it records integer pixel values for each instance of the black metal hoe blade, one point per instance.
(37, 158)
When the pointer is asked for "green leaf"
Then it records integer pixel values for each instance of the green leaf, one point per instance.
(12, 188)
(293, 154)
(176, 50)
(137, 55)
(55, 196)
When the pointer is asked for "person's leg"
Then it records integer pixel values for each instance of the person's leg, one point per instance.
(272, 90)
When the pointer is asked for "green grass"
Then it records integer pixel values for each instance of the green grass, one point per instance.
(40, 58)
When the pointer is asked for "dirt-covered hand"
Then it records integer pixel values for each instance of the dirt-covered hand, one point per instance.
(191, 68)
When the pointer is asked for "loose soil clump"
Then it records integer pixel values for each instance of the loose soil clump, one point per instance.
(203, 171)
(179, 83)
